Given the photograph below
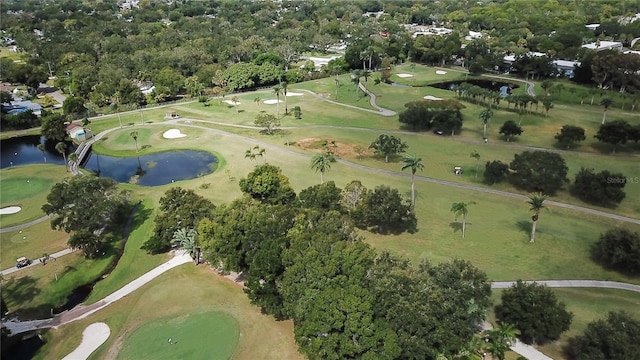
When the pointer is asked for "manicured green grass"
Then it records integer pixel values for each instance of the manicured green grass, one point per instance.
(27, 187)
(31, 242)
(182, 294)
(151, 340)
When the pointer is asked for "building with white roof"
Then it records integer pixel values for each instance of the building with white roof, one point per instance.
(604, 45)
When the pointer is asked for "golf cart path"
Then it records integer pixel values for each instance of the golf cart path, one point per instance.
(36, 262)
(24, 225)
(407, 175)
(82, 311)
(372, 101)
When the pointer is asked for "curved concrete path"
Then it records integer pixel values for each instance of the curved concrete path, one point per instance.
(93, 336)
(82, 311)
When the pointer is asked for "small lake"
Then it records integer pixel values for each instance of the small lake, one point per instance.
(154, 169)
(493, 85)
(23, 150)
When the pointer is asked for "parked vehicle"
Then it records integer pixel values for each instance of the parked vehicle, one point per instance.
(22, 262)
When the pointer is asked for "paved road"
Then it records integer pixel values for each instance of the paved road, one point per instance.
(36, 262)
(573, 284)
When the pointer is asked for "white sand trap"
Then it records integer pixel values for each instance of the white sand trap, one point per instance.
(231, 102)
(93, 336)
(440, 72)
(405, 75)
(429, 97)
(173, 134)
(10, 210)
(272, 101)
(294, 94)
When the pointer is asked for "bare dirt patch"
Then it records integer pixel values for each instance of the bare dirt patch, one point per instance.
(341, 149)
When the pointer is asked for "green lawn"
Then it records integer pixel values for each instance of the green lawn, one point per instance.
(31, 242)
(212, 335)
(27, 187)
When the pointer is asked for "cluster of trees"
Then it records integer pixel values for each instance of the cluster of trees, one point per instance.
(614, 337)
(307, 264)
(610, 69)
(619, 249)
(443, 116)
(87, 206)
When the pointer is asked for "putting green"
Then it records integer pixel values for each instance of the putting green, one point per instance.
(14, 189)
(212, 335)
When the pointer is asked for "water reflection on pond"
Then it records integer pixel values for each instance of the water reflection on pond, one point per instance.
(154, 169)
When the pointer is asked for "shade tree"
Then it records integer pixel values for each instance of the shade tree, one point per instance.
(615, 133)
(535, 311)
(268, 184)
(269, 122)
(570, 135)
(53, 127)
(614, 337)
(604, 188)
(538, 171)
(387, 145)
(510, 129)
(495, 171)
(384, 211)
(324, 197)
(179, 208)
(619, 249)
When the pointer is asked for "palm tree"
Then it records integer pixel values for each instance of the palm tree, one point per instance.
(413, 162)
(73, 160)
(337, 87)
(461, 209)
(277, 90)
(355, 78)
(322, 162)
(284, 91)
(501, 339)
(536, 200)
(134, 135)
(41, 148)
(606, 102)
(257, 100)
(61, 147)
(485, 116)
(476, 155)
(186, 239)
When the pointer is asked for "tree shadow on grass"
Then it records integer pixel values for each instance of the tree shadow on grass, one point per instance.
(524, 226)
(21, 289)
(456, 226)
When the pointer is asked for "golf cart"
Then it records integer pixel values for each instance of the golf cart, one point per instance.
(457, 170)
(22, 262)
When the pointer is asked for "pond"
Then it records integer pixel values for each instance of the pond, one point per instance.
(154, 169)
(503, 87)
(23, 150)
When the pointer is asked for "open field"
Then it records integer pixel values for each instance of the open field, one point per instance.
(260, 336)
(497, 233)
(27, 187)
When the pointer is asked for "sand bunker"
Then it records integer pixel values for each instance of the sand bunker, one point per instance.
(10, 210)
(173, 134)
(272, 101)
(231, 102)
(440, 72)
(429, 97)
(405, 75)
(93, 336)
(294, 94)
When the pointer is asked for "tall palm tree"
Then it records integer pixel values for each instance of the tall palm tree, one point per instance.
(355, 78)
(284, 91)
(461, 209)
(413, 162)
(536, 200)
(322, 162)
(73, 160)
(61, 147)
(606, 102)
(337, 87)
(186, 239)
(134, 135)
(485, 116)
(476, 155)
(277, 90)
(41, 148)
(257, 100)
